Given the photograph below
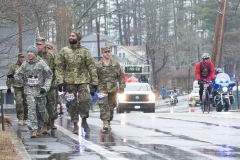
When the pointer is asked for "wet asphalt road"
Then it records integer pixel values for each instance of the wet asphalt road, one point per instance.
(143, 136)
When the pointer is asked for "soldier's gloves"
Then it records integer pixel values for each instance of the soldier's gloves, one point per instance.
(9, 91)
(61, 87)
(35, 77)
(121, 91)
(199, 81)
(92, 94)
(30, 76)
(94, 89)
(42, 91)
(10, 76)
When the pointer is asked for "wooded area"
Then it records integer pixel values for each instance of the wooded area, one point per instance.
(175, 32)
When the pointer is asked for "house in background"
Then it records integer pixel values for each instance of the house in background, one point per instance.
(9, 42)
(135, 54)
(90, 42)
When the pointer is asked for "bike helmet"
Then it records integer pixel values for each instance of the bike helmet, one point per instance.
(219, 70)
(205, 56)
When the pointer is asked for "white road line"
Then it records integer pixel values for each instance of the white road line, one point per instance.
(110, 155)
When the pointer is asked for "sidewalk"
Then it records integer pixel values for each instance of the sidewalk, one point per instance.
(54, 145)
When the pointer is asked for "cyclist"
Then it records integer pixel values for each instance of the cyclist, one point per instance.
(204, 71)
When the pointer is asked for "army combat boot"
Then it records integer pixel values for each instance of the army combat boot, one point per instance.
(39, 131)
(105, 125)
(85, 125)
(20, 122)
(25, 122)
(75, 128)
(52, 124)
(44, 129)
(33, 134)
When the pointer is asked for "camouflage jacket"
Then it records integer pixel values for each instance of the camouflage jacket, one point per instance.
(12, 70)
(75, 65)
(37, 68)
(109, 75)
(49, 59)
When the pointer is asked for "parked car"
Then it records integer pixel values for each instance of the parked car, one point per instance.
(193, 98)
(136, 97)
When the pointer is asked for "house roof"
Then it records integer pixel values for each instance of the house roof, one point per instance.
(93, 38)
(132, 50)
(116, 58)
(9, 46)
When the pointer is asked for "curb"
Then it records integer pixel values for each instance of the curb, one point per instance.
(19, 147)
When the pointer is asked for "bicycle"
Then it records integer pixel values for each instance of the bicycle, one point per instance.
(206, 96)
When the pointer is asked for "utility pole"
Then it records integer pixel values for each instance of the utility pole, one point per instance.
(222, 33)
(217, 31)
(20, 25)
(98, 39)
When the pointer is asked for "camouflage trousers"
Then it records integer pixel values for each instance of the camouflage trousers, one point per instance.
(36, 112)
(107, 106)
(51, 105)
(83, 98)
(21, 103)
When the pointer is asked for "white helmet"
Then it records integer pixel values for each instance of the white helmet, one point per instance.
(205, 56)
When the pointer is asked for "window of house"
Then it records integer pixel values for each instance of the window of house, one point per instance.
(123, 55)
(120, 54)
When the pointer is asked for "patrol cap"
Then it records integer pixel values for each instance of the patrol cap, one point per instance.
(21, 55)
(40, 40)
(105, 49)
(49, 46)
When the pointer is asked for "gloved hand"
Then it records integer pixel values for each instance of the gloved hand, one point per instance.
(10, 76)
(121, 91)
(61, 87)
(199, 81)
(213, 80)
(30, 76)
(94, 87)
(35, 77)
(9, 91)
(92, 94)
(42, 91)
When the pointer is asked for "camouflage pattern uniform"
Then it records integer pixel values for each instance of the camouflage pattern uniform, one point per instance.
(20, 98)
(51, 106)
(74, 67)
(36, 102)
(108, 76)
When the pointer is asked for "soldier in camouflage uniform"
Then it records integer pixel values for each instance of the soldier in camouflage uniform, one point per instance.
(51, 106)
(109, 73)
(37, 78)
(75, 69)
(20, 98)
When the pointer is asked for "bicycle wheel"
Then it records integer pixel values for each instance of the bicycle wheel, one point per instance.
(207, 101)
(203, 104)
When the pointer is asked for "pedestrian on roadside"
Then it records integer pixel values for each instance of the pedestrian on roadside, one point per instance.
(75, 70)
(164, 92)
(51, 105)
(109, 73)
(19, 96)
(36, 77)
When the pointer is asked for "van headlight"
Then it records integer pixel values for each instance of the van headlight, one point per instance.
(224, 89)
(151, 97)
(122, 97)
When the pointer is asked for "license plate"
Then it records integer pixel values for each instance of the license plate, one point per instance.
(137, 107)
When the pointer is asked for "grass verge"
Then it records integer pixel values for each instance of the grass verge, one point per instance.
(7, 151)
